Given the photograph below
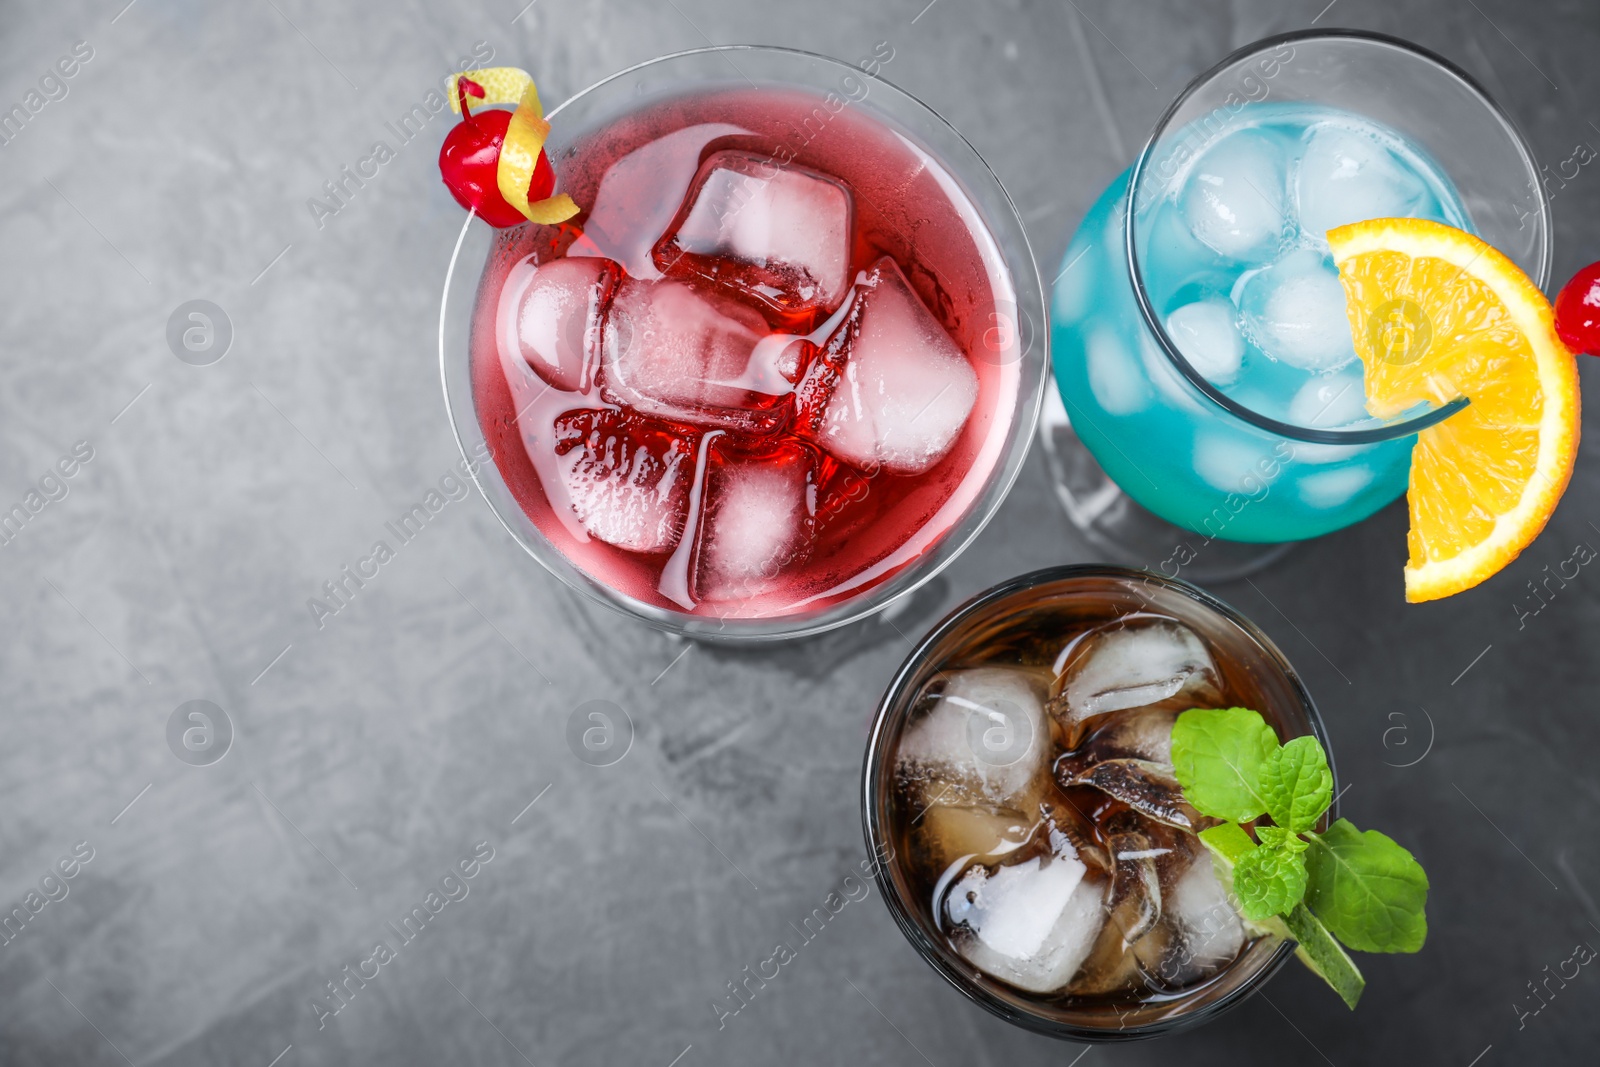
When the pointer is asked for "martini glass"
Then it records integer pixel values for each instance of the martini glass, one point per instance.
(596, 139)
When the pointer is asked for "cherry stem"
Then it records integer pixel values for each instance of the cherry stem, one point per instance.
(463, 84)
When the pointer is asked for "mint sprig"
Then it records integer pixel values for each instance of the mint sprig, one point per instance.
(1361, 888)
(1314, 945)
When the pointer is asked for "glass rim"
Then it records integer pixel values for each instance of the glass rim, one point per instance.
(1371, 435)
(1030, 295)
(875, 766)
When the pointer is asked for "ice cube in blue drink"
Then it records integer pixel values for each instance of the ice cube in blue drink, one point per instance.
(1330, 402)
(1345, 177)
(1234, 199)
(1336, 486)
(1294, 311)
(1207, 334)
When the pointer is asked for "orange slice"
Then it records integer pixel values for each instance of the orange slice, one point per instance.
(1438, 314)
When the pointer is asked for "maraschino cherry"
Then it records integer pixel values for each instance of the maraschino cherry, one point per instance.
(470, 161)
(1578, 311)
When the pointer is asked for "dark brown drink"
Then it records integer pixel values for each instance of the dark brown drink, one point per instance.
(1044, 858)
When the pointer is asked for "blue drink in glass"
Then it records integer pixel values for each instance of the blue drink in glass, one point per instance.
(1201, 343)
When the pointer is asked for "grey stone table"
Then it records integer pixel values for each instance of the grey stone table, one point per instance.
(423, 726)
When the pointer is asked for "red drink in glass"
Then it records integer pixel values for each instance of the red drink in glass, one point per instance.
(773, 362)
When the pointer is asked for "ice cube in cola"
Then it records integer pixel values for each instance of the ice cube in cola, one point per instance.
(725, 394)
(1069, 868)
(1138, 662)
(1029, 923)
(983, 739)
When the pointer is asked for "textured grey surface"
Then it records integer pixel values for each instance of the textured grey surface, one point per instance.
(376, 751)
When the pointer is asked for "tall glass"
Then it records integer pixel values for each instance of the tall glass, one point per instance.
(1018, 625)
(1207, 478)
(1002, 337)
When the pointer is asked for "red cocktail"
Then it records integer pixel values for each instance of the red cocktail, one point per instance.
(774, 365)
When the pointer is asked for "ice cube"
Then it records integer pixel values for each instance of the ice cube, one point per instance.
(948, 833)
(1345, 176)
(949, 830)
(1013, 909)
(984, 740)
(1114, 967)
(1134, 896)
(1070, 828)
(1207, 335)
(696, 357)
(627, 478)
(1230, 462)
(1162, 372)
(778, 233)
(1294, 311)
(1030, 924)
(1210, 933)
(1332, 401)
(1073, 291)
(1143, 734)
(759, 518)
(1148, 788)
(549, 315)
(1117, 380)
(1133, 952)
(1234, 197)
(1334, 488)
(1140, 661)
(890, 388)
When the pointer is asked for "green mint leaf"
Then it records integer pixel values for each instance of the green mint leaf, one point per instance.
(1368, 890)
(1318, 950)
(1268, 881)
(1217, 755)
(1278, 837)
(1297, 784)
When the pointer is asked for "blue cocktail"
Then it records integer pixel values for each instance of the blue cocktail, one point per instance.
(1201, 341)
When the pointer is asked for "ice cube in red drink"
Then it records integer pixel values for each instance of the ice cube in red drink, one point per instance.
(889, 388)
(627, 477)
(774, 232)
(759, 517)
(693, 356)
(550, 315)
